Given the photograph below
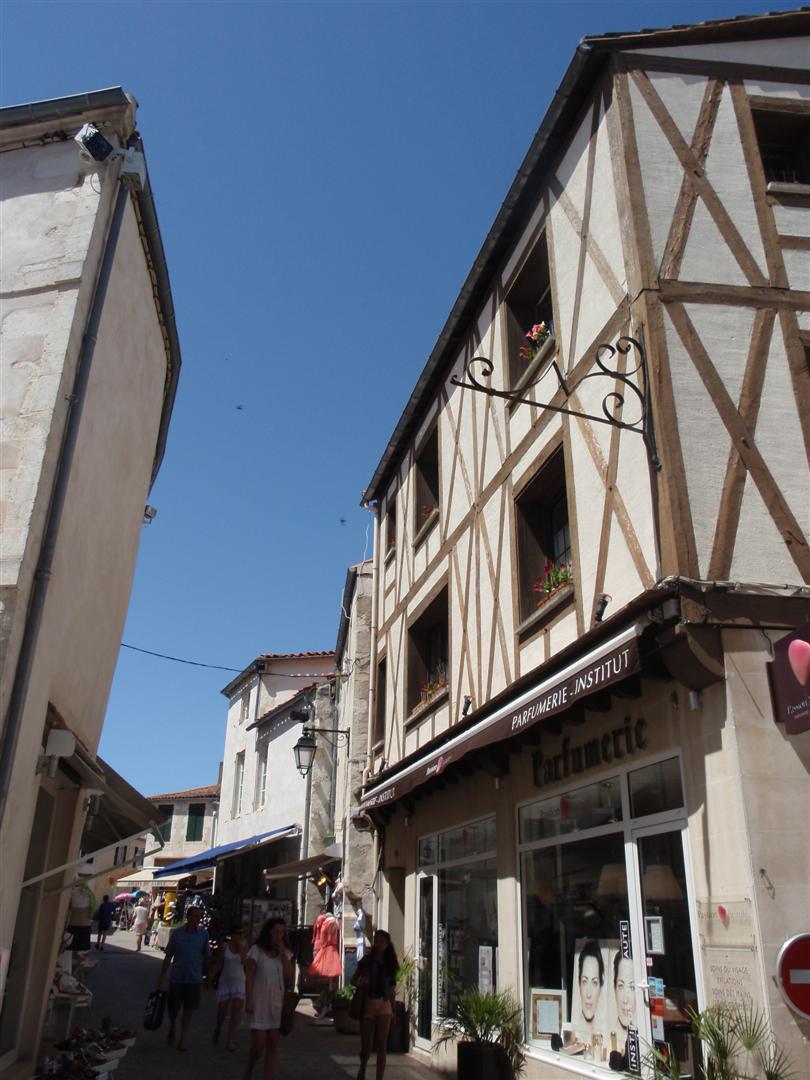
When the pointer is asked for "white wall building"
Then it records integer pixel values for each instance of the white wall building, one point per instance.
(90, 361)
(190, 826)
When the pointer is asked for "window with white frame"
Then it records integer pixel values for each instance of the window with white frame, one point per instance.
(244, 707)
(238, 784)
(458, 918)
(261, 776)
(589, 863)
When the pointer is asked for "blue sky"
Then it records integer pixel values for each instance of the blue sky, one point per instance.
(324, 174)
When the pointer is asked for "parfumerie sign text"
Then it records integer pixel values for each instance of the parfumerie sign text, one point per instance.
(556, 696)
(575, 758)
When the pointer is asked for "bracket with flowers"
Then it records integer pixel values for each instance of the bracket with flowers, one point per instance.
(555, 576)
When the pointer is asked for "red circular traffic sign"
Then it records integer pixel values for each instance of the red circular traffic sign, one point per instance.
(793, 973)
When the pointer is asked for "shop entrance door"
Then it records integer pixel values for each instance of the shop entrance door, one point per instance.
(426, 960)
(666, 988)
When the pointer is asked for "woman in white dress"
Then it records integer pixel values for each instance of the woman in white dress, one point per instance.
(268, 972)
(140, 923)
(231, 984)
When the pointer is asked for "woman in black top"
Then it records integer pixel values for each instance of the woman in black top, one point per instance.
(376, 977)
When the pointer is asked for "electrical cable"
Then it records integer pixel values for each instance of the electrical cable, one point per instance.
(221, 667)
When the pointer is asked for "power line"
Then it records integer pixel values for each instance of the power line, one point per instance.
(220, 667)
(178, 660)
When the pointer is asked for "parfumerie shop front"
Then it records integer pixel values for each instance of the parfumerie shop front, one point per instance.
(566, 880)
(607, 938)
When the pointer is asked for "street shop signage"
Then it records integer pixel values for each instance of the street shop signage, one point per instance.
(789, 678)
(576, 758)
(603, 668)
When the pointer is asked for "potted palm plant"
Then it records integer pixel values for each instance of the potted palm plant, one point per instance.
(341, 1000)
(399, 1035)
(489, 1033)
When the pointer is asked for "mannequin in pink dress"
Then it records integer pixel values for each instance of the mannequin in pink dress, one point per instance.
(325, 942)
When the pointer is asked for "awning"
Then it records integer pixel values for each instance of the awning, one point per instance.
(298, 869)
(120, 810)
(237, 847)
(609, 663)
(145, 877)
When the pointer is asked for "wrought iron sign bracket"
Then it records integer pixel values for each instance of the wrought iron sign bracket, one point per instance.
(630, 392)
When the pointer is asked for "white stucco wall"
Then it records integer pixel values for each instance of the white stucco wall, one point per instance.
(286, 788)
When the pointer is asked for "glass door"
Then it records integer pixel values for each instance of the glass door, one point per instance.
(668, 986)
(426, 960)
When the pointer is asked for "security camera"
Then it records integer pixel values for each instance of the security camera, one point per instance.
(92, 143)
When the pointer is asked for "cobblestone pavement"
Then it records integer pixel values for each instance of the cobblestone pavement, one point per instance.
(121, 983)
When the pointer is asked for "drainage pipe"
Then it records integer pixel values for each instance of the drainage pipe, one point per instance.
(42, 574)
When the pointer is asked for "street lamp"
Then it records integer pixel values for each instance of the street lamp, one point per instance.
(304, 751)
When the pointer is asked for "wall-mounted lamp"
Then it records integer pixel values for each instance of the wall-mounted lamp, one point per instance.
(602, 601)
(149, 514)
(304, 751)
(306, 746)
(61, 743)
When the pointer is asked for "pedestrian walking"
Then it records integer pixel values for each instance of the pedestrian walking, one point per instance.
(188, 955)
(375, 978)
(228, 974)
(104, 918)
(140, 923)
(268, 973)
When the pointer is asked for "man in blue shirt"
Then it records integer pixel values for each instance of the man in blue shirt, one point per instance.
(188, 955)
(104, 915)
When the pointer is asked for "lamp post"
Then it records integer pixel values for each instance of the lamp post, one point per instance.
(306, 746)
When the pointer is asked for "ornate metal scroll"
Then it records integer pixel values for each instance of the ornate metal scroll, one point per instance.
(626, 405)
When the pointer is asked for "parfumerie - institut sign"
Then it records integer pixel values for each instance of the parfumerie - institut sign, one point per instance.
(609, 664)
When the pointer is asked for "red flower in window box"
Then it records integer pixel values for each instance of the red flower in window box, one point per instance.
(536, 337)
(554, 576)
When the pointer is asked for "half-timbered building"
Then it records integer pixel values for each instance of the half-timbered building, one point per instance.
(591, 542)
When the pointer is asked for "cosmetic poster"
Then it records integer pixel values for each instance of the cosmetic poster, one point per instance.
(603, 1000)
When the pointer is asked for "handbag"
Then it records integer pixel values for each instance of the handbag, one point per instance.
(288, 1008)
(357, 1005)
(155, 1005)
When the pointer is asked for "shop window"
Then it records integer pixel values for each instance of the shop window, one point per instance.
(656, 788)
(426, 475)
(428, 654)
(590, 936)
(543, 538)
(378, 735)
(195, 820)
(784, 145)
(528, 308)
(261, 777)
(585, 808)
(462, 890)
(238, 784)
(391, 524)
(166, 829)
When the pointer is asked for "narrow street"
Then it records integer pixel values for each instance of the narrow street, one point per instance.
(121, 983)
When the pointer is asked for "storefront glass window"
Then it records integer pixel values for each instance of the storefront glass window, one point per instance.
(573, 811)
(656, 788)
(575, 904)
(587, 871)
(468, 840)
(468, 931)
(458, 888)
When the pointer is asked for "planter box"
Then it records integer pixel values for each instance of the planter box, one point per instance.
(344, 1023)
(482, 1061)
(399, 1034)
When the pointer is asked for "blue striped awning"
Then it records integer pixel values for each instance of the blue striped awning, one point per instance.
(204, 859)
